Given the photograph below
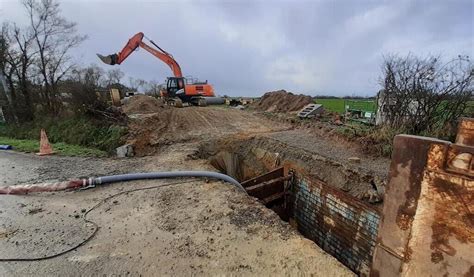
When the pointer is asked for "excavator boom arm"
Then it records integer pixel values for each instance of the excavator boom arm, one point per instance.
(137, 41)
(168, 59)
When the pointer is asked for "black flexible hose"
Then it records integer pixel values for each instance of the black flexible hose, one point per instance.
(165, 174)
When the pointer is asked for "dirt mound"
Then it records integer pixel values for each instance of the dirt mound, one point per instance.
(148, 132)
(282, 101)
(141, 104)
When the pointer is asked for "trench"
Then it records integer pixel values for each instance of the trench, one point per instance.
(314, 195)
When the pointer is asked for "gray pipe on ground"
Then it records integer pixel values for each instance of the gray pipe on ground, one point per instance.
(91, 182)
(163, 175)
(214, 100)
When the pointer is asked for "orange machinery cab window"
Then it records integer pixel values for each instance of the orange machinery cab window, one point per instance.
(174, 84)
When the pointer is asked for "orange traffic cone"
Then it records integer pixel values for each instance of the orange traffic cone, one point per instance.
(45, 146)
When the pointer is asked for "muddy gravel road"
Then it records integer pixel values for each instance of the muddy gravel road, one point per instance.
(181, 226)
(149, 132)
(147, 228)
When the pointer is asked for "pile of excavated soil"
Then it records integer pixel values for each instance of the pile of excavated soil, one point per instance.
(282, 101)
(141, 104)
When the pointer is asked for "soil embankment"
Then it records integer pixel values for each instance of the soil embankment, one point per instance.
(142, 104)
(282, 101)
(165, 125)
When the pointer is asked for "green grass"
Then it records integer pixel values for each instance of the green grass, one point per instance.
(333, 105)
(338, 105)
(72, 131)
(362, 105)
(32, 146)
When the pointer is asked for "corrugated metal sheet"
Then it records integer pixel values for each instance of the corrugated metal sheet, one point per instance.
(341, 225)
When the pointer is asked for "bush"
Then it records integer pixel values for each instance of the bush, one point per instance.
(379, 140)
(422, 96)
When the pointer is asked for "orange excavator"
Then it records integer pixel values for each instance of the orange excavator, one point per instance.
(178, 89)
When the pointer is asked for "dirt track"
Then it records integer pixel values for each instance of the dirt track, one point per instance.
(182, 229)
(148, 132)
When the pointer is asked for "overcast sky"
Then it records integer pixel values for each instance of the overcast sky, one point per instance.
(248, 48)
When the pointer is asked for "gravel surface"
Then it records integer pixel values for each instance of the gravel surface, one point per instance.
(189, 228)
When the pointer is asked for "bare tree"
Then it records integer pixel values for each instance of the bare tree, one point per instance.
(17, 56)
(135, 84)
(91, 75)
(24, 41)
(54, 37)
(114, 76)
(421, 95)
(7, 67)
(81, 88)
(153, 88)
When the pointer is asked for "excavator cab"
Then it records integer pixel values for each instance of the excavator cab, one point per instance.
(174, 93)
(173, 85)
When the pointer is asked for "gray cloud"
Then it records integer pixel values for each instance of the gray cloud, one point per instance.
(247, 48)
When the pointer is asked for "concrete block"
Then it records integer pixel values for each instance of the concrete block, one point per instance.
(125, 151)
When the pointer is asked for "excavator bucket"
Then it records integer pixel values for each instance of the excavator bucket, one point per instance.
(105, 59)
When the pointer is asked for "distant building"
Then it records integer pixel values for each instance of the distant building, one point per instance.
(385, 104)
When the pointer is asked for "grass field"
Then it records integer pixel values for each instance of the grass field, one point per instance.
(32, 146)
(79, 131)
(337, 105)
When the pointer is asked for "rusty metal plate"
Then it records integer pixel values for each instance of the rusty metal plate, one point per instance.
(342, 225)
(428, 216)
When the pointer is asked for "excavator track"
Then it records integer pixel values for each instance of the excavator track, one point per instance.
(175, 102)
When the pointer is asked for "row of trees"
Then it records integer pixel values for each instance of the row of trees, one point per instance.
(38, 67)
(37, 57)
(101, 79)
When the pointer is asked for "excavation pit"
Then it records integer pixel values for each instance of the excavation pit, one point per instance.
(336, 216)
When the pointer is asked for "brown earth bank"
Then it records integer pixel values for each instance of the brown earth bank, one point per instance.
(246, 158)
(282, 101)
(149, 132)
